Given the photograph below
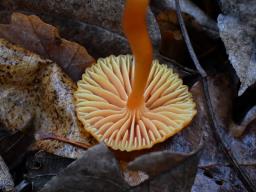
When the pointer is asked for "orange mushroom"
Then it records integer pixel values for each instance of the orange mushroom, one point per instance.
(132, 103)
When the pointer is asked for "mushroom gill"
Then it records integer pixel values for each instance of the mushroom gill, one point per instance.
(102, 97)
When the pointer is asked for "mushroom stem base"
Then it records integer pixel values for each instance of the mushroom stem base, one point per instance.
(135, 102)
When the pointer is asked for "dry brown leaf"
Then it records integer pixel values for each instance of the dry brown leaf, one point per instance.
(33, 87)
(33, 34)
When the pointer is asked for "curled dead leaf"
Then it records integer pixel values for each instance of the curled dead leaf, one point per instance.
(33, 34)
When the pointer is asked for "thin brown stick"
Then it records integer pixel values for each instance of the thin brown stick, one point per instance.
(179, 66)
(248, 184)
(64, 140)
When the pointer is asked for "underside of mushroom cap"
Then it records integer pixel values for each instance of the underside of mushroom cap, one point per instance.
(101, 104)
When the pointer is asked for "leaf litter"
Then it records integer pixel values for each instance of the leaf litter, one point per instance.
(210, 165)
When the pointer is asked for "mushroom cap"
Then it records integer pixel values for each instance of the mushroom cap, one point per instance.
(101, 104)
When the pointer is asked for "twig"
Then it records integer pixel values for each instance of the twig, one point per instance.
(63, 139)
(214, 124)
(187, 40)
(179, 66)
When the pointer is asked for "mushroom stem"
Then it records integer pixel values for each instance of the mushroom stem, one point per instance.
(135, 29)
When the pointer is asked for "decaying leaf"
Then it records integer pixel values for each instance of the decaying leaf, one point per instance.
(42, 166)
(6, 182)
(99, 42)
(216, 178)
(222, 91)
(157, 162)
(238, 130)
(14, 145)
(243, 148)
(172, 44)
(200, 27)
(245, 10)
(33, 87)
(105, 15)
(237, 30)
(91, 172)
(33, 34)
(211, 152)
(187, 6)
